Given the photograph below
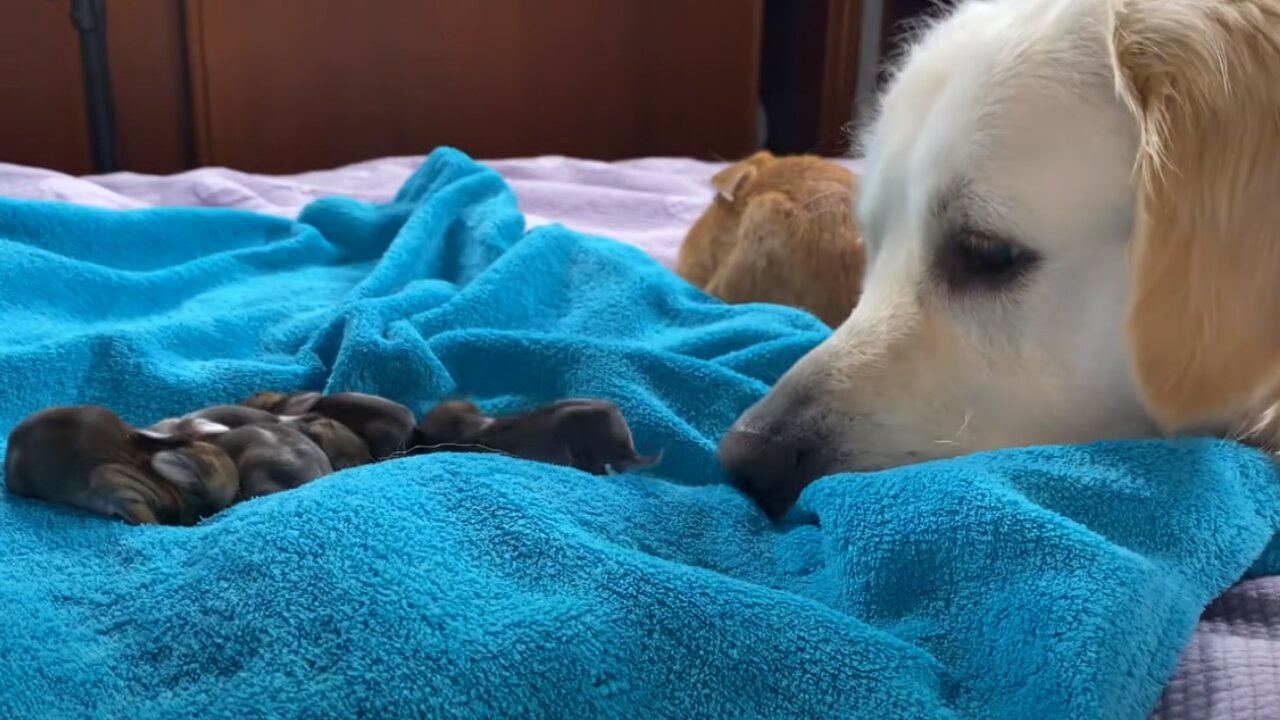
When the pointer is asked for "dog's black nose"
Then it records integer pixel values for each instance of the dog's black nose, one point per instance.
(771, 469)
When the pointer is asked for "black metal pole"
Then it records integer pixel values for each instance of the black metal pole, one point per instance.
(90, 20)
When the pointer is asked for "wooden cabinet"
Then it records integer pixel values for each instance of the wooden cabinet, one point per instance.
(42, 112)
(289, 84)
(293, 85)
(43, 119)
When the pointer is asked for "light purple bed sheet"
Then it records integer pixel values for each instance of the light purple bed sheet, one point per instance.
(649, 203)
(1231, 668)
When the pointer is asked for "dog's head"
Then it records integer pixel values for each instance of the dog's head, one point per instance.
(1068, 207)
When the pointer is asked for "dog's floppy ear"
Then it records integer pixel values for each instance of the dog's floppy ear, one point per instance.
(1204, 315)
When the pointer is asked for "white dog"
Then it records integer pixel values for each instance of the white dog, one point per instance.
(1072, 215)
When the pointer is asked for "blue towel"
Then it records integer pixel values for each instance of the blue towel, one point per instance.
(1045, 583)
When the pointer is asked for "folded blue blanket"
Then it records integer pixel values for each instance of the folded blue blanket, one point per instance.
(1047, 583)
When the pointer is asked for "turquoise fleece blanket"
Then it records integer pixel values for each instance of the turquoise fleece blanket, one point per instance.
(1045, 583)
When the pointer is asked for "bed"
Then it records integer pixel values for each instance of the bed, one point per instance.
(1230, 668)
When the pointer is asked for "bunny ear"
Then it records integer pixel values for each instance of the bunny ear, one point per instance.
(177, 468)
(154, 440)
(300, 403)
(1204, 309)
(731, 181)
(205, 428)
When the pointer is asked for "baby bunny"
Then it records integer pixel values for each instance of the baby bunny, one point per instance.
(272, 457)
(214, 419)
(590, 435)
(343, 447)
(387, 427)
(87, 457)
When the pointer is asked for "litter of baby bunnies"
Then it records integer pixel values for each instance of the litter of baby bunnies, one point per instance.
(182, 469)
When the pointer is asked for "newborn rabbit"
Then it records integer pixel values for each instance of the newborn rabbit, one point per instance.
(213, 419)
(388, 428)
(590, 435)
(87, 457)
(343, 447)
(780, 230)
(272, 457)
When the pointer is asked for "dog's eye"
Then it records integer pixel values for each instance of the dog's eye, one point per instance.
(975, 260)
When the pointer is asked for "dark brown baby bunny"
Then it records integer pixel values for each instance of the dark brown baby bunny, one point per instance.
(453, 420)
(387, 427)
(343, 447)
(272, 457)
(214, 419)
(780, 230)
(87, 457)
(590, 435)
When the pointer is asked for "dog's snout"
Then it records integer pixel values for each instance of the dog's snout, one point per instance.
(770, 468)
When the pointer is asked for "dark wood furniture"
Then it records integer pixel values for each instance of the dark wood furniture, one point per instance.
(292, 85)
(808, 74)
(276, 87)
(44, 120)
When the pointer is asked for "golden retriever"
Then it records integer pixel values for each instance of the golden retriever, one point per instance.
(1071, 211)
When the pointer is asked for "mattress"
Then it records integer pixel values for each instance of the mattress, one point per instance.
(1231, 666)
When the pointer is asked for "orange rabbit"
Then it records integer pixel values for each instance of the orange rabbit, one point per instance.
(780, 230)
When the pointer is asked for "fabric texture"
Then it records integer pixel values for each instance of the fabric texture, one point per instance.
(647, 202)
(1044, 582)
(1235, 656)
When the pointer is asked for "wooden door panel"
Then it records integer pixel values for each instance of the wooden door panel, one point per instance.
(42, 110)
(287, 85)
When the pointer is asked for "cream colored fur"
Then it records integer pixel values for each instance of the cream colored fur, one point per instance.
(1204, 323)
(1134, 145)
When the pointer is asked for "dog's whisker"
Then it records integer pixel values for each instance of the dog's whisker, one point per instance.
(422, 449)
(953, 440)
